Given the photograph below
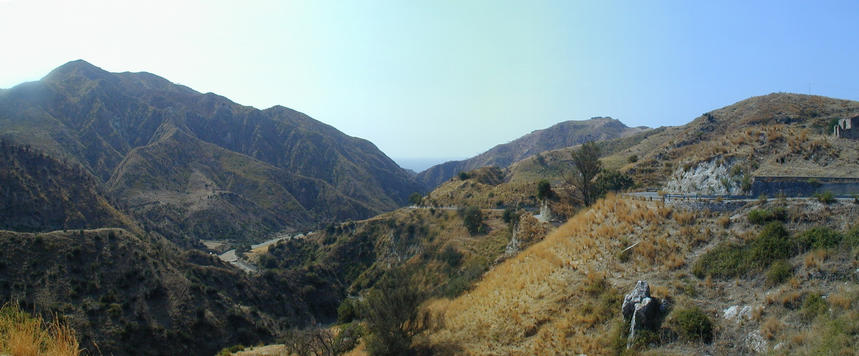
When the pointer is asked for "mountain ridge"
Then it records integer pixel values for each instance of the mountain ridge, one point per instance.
(83, 114)
(563, 134)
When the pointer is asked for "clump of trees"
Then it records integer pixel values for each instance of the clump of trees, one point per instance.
(415, 198)
(590, 179)
(472, 218)
(544, 190)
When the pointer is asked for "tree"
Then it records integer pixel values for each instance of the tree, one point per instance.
(415, 198)
(544, 190)
(613, 181)
(472, 218)
(586, 166)
(392, 315)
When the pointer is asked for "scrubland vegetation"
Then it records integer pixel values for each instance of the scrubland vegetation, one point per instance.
(24, 335)
(563, 294)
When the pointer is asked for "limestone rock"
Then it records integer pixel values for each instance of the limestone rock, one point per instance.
(640, 308)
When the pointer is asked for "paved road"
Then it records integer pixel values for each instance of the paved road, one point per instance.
(744, 198)
(231, 257)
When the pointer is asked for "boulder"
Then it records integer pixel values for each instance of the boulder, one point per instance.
(640, 308)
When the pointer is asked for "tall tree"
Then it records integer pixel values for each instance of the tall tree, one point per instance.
(586, 166)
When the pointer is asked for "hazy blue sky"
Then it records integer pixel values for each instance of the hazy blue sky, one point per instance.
(453, 78)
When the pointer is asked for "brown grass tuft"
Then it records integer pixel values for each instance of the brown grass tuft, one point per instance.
(771, 328)
(24, 335)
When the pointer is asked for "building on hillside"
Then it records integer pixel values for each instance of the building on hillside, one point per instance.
(847, 128)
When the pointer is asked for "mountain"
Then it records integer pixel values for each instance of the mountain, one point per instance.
(130, 294)
(778, 134)
(39, 193)
(197, 165)
(564, 134)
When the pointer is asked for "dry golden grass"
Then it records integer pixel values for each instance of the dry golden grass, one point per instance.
(815, 259)
(771, 327)
(23, 335)
(724, 221)
(550, 298)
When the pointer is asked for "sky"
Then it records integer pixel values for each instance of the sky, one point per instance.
(428, 81)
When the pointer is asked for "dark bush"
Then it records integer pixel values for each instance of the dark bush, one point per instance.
(451, 256)
(691, 324)
(813, 305)
(391, 313)
(818, 237)
(763, 216)
(472, 218)
(772, 244)
(510, 216)
(732, 260)
(347, 311)
(544, 190)
(779, 272)
(725, 260)
(613, 181)
(825, 197)
(415, 198)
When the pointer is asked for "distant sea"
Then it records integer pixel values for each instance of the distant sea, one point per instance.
(420, 164)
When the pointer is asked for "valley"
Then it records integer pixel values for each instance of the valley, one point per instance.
(154, 219)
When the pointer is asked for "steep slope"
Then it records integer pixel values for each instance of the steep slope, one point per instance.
(127, 294)
(771, 135)
(103, 120)
(565, 134)
(39, 193)
(564, 294)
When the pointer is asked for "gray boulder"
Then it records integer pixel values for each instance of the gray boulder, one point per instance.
(640, 308)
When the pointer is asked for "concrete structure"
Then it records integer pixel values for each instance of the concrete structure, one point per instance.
(804, 186)
(847, 128)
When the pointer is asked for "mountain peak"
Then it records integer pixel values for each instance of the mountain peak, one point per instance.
(76, 67)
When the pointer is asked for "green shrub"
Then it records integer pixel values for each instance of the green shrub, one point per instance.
(347, 311)
(818, 237)
(729, 260)
(510, 216)
(825, 197)
(463, 176)
(813, 305)
(725, 260)
(851, 238)
(772, 244)
(415, 198)
(763, 216)
(391, 313)
(544, 190)
(472, 218)
(231, 350)
(779, 272)
(613, 181)
(451, 256)
(691, 324)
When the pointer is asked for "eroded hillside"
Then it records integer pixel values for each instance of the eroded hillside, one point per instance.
(563, 295)
(196, 166)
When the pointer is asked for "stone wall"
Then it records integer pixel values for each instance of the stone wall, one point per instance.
(804, 186)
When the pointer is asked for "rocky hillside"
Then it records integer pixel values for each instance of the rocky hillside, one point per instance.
(39, 193)
(719, 284)
(772, 135)
(130, 294)
(192, 164)
(565, 134)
